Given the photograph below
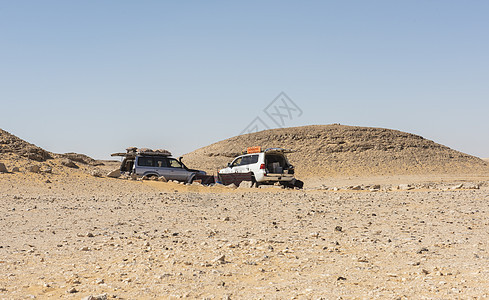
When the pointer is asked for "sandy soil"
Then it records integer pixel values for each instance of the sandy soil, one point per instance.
(67, 234)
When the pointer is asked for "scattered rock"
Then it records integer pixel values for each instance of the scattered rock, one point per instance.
(457, 187)
(3, 169)
(221, 259)
(162, 179)
(232, 185)
(47, 170)
(72, 290)
(467, 186)
(405, 187)
(68, 163)
(15, 169)
(147, 177)
(338, 228)
(245, 184)
(114, 173)
(96, 173)
(34, 169)
(98, 297)
(424, 249)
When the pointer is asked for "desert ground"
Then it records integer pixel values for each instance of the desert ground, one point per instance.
(67, 234)
(69, 231)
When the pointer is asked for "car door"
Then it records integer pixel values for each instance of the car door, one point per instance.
(162, 168)
(144, 165)
(177, 171)
(235, 165)
(244, 166)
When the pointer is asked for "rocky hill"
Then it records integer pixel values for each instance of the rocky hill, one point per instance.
(339, 150)
(9, 143)
(12, 146)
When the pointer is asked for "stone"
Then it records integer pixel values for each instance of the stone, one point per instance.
(405, 187)
(467, 186)
(34, 169)
(356, 188)
(245, 184)
(457, 187)
(96, 173)
(424, 249)
(221, 259)
(114, 173)
(72, 290)
(48, 170)
(98, 297)
(162, 179)
(338, 228)
(3, 169)
(68, 163)
(232, 185)
(15, 169)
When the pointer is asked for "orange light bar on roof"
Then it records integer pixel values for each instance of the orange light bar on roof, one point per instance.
(255, 149)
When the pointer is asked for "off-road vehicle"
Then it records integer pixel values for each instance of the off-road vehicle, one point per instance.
(266, 167)
(150, 163)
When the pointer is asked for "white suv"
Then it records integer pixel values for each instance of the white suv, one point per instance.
(268, 166)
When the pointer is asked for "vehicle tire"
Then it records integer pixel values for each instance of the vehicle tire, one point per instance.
(254, 182)
(149, 177)
(298, 184)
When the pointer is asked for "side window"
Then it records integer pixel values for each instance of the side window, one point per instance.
(236, 162)
(161, 162)
(246, 160)
(145, 161)
(173, 163)
(253, 159)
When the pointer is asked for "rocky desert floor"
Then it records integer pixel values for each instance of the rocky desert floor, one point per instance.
(67, 234)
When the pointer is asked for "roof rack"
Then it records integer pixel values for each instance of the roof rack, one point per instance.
(133, 151)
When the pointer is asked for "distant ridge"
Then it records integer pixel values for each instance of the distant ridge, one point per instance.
(339, 150)
(9, 143)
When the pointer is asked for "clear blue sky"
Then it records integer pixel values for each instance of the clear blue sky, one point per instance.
(97, 76)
